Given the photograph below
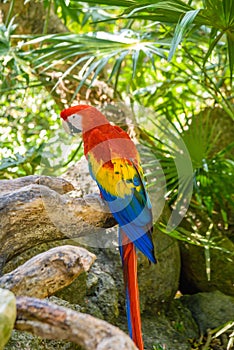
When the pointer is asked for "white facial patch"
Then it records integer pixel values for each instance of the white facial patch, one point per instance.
(73, 124)
(76, 121)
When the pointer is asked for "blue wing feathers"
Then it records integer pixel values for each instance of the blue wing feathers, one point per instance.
(135, 219)
(132, 210)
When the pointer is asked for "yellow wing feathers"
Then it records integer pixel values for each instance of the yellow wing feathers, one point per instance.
(117, 177)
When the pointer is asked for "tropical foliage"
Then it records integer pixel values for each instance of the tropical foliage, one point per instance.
(172, 58)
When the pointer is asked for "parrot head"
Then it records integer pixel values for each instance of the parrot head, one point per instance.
(81, 118)
(72, 118)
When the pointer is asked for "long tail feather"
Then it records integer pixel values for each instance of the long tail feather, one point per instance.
(129, 262)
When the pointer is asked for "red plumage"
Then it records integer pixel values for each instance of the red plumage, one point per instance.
(119, 142)
(129, 258)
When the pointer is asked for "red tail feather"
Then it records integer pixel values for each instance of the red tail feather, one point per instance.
(129, 259)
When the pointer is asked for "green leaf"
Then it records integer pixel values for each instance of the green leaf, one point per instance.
(230, 41)
(228, 8)
(10, 162)
(124, 3)
(100, 48)
(102, 63)
(135, 57)
(212, 46)
(158, 10)
(219, 14)
(117, 64)
(181, 29)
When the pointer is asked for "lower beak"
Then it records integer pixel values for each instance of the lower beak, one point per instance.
(69, 128)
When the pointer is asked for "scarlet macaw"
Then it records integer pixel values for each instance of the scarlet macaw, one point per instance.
(114, 163)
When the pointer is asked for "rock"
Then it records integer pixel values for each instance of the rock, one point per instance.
(26, 341)
(105, 295)
(96, 293)
(79, 176)
(171, 328)
(75, 293)
(7, 315)
(158, 283)
(210, 310)
(57, 184)
(193, 274)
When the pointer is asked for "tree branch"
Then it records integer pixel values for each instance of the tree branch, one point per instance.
(36, 213)
(50, 321)
(48, 272)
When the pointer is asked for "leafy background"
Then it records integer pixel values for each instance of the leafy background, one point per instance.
(173, 57)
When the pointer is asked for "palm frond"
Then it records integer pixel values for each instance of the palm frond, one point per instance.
(215, 14)
(180, 30)
(94, 52)
(192, 164)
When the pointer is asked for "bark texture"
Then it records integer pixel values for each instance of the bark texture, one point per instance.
(35, 211)
(48, 272)
(51, 321)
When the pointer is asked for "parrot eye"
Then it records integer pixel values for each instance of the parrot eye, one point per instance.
(75, 123)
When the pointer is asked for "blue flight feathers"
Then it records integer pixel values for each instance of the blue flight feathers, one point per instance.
(133, 214)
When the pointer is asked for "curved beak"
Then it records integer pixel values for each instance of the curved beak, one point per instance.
(70, 128)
